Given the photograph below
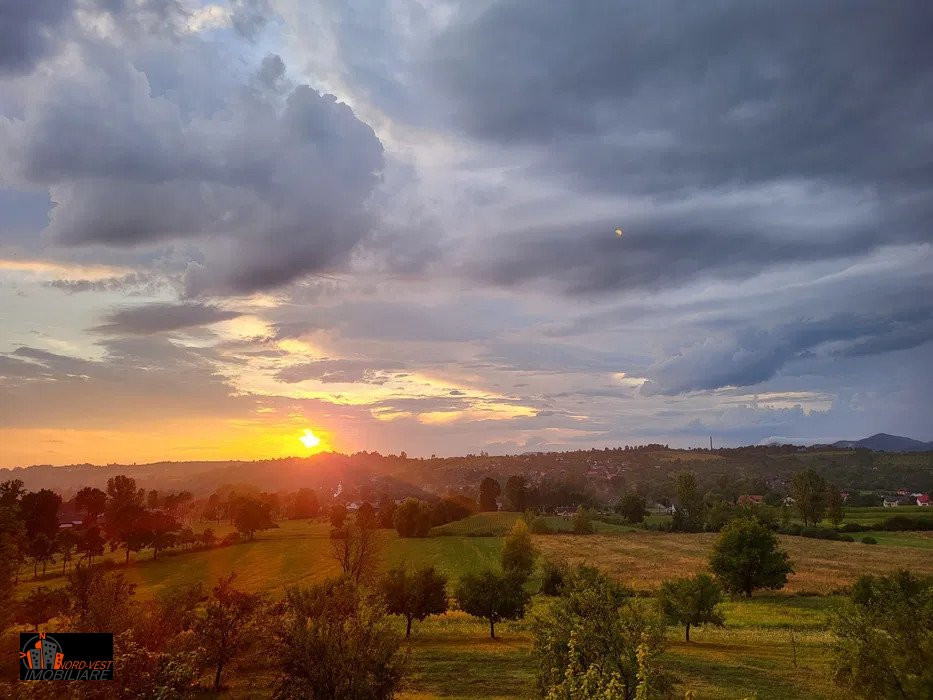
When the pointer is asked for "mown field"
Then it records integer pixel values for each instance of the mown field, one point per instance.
(773, 646)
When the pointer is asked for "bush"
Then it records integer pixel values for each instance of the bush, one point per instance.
(900, 523)
(539, 526)
(847, 538)
(854, 527)
(552, 578)
(869, 540)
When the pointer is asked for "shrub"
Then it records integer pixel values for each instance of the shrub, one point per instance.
(552, 578)
(847, 538)
(539, 526)
(869, 540)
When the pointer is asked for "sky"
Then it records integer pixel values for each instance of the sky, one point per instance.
(392, 223)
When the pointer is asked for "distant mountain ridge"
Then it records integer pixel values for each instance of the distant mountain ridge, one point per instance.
(882, 442)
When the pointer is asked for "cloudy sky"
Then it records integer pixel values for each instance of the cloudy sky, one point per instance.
(392, 222)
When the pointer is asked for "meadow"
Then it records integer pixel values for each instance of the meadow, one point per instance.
(773, 646)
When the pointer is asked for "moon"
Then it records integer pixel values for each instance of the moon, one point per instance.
(619, 232)
(309, 439)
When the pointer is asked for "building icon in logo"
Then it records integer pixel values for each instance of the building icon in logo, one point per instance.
(42, 652)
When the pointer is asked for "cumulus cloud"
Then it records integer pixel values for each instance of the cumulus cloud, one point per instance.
(269, 180)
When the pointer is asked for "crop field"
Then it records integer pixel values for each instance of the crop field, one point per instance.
(643, 559)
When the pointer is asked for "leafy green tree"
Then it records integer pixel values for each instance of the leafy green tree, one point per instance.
(582, 522)
(518, 552)
(552, 578)
(415, 595)
(691, 602)
(809, 491)
(688, 513)
(746, 557)
(250, 515)
(516, 493)
(632, 507)
(883, 645)
(336, 644)
(835, 509)
(492, 596)
(230, 624)
(412, 518)
(594, 629)
(489, 491)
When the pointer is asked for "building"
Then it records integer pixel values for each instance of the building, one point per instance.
(750, 500)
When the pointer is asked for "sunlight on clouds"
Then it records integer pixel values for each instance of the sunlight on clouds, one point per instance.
(51, 269)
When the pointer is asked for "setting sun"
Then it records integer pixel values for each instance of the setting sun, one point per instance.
(309, 439)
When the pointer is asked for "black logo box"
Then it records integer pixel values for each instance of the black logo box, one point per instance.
(89, 647)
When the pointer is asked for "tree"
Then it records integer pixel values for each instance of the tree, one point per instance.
(746, 557)
(883, 645)
(305, 504)
(251, 515)
(39, 511)
(518, 552)
(162, 530)
(414, 596)
(516, 493)
(691, 601)
(632, 507)
(356, 547)
(231, 622)
(809, 491)
(337, 514)
(90, 542)
(40, 606)
(594, 628)
(208, 537)
(92, 501)
(386, 511)
(12, 535)
(334, 643)
(834, 505)
(688, 515)
(66, 542)
(412, 518)
(489, 491)
(582, 522)
(122, 514)
(100, 601)
(492, 596)
(42, 550)
(366, 515)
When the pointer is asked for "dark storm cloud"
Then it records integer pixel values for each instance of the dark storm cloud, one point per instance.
(159, 318)
(680, 104)
(142, 144)
(753, 356)
(26, 28)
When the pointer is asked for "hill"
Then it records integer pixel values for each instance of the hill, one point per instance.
(882, 442)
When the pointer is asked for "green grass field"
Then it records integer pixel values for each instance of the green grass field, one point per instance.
(773, 646)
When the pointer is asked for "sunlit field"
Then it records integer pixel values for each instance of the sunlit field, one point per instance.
(773, 645)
